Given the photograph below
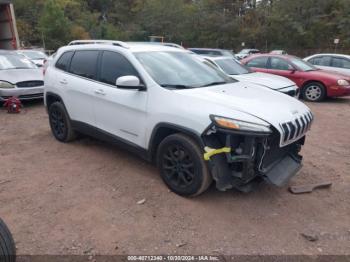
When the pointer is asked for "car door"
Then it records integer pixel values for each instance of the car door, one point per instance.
(73, 85)
(119, 112)
(282, 67)
(258, 64)
(78, 85)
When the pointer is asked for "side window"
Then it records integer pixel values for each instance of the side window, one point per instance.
(316, 60)
(259, 62)
(64, 61)
(280, 64)
(340, 62)
(84, 63)
(325, 61)
(113, 66)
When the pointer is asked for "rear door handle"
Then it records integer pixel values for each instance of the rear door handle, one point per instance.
(64, 82)
(100, 92)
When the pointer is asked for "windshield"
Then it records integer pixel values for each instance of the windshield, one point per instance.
(14, 61)
(303, 65)
(34, 55)
(180, 70)
(231, 67)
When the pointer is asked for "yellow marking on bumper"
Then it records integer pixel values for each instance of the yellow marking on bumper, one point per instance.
(209, 152)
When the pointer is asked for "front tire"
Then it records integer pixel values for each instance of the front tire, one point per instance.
(182, 166)
(314, 92)
(60, 123)
(7, 245)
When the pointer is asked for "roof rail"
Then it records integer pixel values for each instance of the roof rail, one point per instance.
(103, 42)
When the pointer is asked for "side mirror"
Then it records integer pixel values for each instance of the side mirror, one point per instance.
(291, 69)
(130, 82)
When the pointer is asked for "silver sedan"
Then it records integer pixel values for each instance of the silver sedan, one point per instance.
(19, 77)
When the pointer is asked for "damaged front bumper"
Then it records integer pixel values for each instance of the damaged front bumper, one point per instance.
(241, 160)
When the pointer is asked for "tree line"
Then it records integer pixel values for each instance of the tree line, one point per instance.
(298, 26)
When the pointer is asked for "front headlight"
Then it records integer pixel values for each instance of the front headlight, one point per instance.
(240, 125)
(343, 82)
(6, 85)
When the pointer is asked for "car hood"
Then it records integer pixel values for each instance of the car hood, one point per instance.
(268, 80)
(267, 105)
(20, 75)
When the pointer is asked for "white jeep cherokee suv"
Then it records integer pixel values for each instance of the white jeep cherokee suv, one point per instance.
(195, 122)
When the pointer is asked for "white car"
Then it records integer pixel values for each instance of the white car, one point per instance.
(195, 122)
(19, 77)
(243, 73)
(332, 62)
(278, 52)
(37, 57)
(244, 53)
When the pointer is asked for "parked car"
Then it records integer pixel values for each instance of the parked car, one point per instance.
(334, 62)
(212, 52)
(163, 103)
(37, 57)
(19, 77)
(278, 52)
(243, 73)
(315, 84)
(247, 52)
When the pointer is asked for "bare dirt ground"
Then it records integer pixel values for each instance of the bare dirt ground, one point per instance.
(81, 198)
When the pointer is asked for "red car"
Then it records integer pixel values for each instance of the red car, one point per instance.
(315, 84)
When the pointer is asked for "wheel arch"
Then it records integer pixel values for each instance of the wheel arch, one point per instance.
(163, 130)
(313, 81)
(51, 98)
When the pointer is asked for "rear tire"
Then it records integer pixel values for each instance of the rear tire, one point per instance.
(314, 92)
(60, 123)
(182, 166)
(7, 245)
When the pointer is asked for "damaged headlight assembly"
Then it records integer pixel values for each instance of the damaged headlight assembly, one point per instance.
(238, 125)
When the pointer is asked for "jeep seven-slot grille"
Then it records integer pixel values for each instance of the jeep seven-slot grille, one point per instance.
(28, 84)
(295, 129)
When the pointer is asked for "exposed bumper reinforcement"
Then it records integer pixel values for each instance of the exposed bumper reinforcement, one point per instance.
(283, 171)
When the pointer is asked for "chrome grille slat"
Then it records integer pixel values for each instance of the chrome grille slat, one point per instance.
(296, 129)
(303, 124)
(292, 130)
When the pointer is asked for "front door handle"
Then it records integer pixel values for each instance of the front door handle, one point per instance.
(100, 92)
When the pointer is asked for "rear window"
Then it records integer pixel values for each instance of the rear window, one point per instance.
(84, 63)
(64, 61)
(340, 62)
(259, 62)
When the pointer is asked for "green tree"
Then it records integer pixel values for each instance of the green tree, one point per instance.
(53, 25)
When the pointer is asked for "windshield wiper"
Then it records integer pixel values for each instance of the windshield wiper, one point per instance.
(177, 86)
(215, 84)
